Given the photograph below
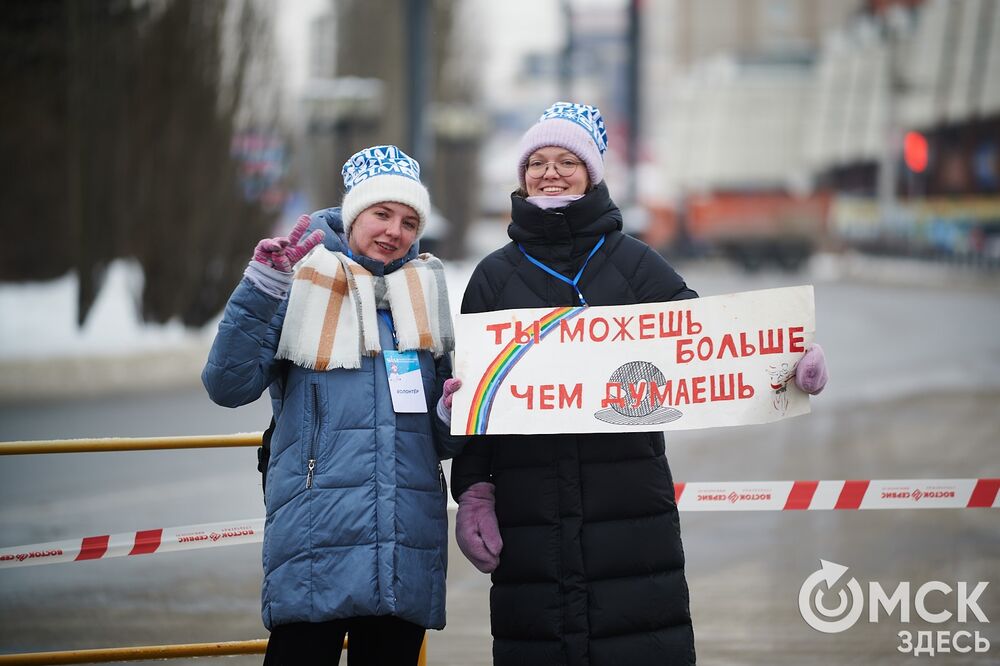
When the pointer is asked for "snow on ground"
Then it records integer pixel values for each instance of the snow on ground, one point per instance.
(44, 326)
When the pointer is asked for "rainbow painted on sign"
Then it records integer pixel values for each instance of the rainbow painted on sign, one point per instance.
(497, 371)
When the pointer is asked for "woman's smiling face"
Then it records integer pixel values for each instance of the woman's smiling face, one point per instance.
(384, 232)
(549, 161)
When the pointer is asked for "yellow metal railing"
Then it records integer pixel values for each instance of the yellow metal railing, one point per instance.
(128, 444)
(141, 653)
(105, 655)
(137, 653)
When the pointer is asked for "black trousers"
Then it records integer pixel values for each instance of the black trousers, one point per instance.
(372, 641)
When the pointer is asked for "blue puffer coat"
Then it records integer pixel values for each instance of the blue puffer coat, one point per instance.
(369, 536)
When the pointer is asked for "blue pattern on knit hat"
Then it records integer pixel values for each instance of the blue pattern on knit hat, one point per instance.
(378, 161)
(586, 116)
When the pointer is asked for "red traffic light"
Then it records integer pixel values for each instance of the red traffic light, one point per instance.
(915, 151)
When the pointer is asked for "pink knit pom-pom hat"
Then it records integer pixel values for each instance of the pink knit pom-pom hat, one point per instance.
(579, 128)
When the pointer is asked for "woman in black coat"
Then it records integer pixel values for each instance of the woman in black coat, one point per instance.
(592, 568)
(580, 531)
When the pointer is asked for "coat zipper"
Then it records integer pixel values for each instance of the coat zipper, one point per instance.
(315, 436)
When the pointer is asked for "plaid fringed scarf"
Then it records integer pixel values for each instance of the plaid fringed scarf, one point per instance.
(331, 319)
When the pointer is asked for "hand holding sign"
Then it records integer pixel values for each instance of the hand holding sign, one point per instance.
(447, 396)
(810, 373)
(450, 386)
(283, 252)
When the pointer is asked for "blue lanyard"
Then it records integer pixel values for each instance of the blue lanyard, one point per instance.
(565, 279)
(387, 318)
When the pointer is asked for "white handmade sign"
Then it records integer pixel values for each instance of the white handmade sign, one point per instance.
(716, 361)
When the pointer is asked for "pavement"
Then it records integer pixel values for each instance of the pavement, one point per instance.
(915, 381)
(744, 569)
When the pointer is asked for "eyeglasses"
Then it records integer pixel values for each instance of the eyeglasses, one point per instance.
(565, 168)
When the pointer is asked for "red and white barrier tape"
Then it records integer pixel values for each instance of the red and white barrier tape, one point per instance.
(702, 496)
(144, 542)
(829, 495)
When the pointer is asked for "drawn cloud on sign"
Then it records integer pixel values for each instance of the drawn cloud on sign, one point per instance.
(645, 412)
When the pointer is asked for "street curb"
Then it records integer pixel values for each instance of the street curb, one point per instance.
(71, 377)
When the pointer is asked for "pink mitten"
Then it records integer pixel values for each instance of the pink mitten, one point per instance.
(444, 402)
(283, 253)
(450, 386)
(810, 374)
(476, 528)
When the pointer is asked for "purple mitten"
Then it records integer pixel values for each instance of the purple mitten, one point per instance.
(283, 253)
(476, 528)
(810, 373)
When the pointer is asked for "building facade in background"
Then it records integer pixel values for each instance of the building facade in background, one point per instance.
(782, 124)
(907, 137)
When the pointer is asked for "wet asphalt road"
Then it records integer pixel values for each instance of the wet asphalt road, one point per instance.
(914, 393)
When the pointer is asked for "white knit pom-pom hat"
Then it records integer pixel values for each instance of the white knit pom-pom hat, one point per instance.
(383, 173)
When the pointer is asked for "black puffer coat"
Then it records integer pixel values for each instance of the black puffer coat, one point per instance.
(592, 568)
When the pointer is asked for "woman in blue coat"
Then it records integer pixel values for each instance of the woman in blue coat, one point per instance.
(353, 347)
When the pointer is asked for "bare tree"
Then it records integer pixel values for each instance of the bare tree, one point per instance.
(371, 43)
(131, 154)
(192, 227)
(33, 137)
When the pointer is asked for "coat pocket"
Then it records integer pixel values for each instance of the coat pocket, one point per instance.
(313, 434)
